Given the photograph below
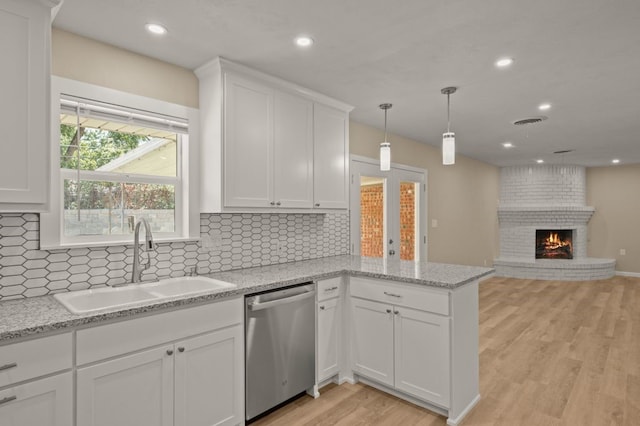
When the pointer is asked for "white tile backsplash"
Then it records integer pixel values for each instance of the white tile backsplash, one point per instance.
(230, 241)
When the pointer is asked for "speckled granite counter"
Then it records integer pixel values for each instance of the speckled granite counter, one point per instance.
(20, 318)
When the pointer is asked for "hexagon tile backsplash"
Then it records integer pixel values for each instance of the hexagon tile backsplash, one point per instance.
(229, 241)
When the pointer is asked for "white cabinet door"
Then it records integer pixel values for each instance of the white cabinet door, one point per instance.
(293, 159)
(209, 379)
(329, 325)
(248, 143)
(372, 340)
(330, 158)
(422, 355)
(44, 402)
(24, 113)
(132, 390)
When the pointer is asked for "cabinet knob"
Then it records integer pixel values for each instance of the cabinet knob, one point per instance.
(169, 351)
(388, 311)
(396, 312)
(278, 203)
(317, 204)
(322, 308)
(181, 349)
(272, 203)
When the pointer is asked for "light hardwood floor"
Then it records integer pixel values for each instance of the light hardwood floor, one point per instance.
(551, 353)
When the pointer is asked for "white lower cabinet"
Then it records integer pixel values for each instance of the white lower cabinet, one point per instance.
(372, 340)
(403, 348)
(44, 402)
(131, 390)
(182, 368)
(209, 386)
(329, 331)
(195, 382)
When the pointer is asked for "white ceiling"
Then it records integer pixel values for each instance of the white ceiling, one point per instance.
(582, 56)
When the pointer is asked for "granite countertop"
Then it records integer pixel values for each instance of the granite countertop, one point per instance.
(25, 317)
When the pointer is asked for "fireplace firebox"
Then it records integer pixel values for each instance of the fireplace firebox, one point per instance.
(554, 244)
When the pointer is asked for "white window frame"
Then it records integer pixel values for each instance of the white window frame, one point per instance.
(187, 216)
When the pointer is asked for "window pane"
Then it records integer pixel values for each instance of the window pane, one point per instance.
(116, 147)
(112, 208)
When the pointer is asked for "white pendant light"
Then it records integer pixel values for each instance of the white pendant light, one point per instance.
(385, 147)
(448, 138)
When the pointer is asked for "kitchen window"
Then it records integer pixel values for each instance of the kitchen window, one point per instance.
(114, 163)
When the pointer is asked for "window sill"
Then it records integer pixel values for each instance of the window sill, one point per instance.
(128, 242)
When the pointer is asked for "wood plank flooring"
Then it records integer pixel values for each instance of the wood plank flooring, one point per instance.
(551, 353)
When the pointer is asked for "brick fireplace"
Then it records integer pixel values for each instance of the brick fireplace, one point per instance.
(546, 203)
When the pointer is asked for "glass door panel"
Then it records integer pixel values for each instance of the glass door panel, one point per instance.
(409, 230)
(373, 217)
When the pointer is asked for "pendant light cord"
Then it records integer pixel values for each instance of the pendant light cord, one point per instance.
(448, 112)
(385, 125)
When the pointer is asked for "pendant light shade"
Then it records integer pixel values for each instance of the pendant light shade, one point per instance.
(385, 147)
(448, 138)
(448, 148)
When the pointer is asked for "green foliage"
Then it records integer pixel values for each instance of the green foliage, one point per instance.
(97, 147)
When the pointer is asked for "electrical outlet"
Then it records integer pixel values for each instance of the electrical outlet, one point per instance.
(434, 223)
(623, 252)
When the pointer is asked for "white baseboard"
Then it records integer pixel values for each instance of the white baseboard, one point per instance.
(628, 274)
(461, 416)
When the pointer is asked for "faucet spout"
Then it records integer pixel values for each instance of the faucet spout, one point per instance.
(149, 246)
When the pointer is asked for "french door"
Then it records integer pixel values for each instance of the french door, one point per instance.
(388, 211)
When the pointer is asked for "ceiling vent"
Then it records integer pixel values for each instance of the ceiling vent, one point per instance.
(530, 120)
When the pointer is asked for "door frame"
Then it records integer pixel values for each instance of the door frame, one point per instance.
(359, 164)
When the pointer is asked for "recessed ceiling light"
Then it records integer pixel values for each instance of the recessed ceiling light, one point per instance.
(303, 41)
(615, 161)
(540, 161)
(507, 145)
(544, 107)
(504, 62)
(156, 29)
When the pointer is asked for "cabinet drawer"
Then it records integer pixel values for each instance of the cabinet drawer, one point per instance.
(93, 344)
(424, 299)
(34, 358)
(329, 288)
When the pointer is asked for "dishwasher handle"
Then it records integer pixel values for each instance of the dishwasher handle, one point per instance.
(278, 302)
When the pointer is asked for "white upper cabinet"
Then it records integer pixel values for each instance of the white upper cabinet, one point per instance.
(293, 160)
(25, 43)
(248, 148)
(330, 158)
(260, 140)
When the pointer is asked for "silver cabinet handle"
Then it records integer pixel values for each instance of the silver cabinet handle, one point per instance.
(322, 308)
(169, 351)
(8, 399)
(392, 294)
(331, 288)
(392, 252)
(8, 366)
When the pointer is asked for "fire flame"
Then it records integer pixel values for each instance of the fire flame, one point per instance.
(554, 242)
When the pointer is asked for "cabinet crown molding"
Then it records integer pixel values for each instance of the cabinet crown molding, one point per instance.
(219, 63)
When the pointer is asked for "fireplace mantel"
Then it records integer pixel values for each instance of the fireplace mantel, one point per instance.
(536, 215)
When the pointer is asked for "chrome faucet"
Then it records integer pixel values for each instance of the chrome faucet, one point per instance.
(149, 246)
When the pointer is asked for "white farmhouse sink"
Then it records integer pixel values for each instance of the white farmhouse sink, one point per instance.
(171, 287)
(86, 301)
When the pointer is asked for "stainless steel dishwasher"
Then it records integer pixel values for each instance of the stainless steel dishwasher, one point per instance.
(280, 346)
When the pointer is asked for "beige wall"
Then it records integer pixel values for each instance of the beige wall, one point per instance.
(463, 198)
(615, 225)
(83, 59)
